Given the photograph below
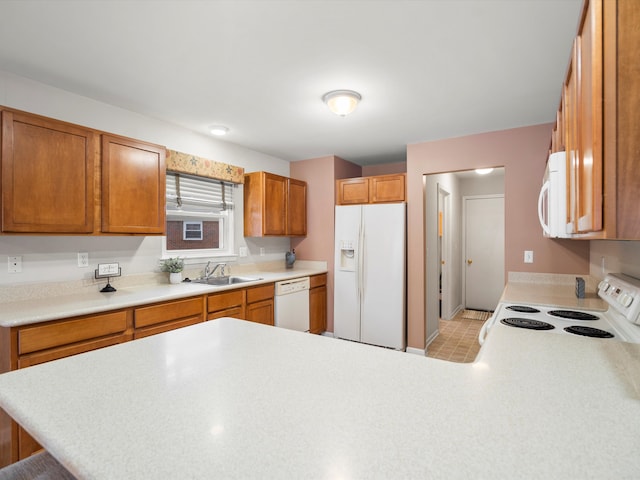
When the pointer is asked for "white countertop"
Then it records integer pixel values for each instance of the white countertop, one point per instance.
(87, 301)
(234, 399)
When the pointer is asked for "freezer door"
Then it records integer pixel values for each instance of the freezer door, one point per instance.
(383, 273)
(346, 296)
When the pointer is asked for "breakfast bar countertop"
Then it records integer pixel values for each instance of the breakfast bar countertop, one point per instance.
(235, 399)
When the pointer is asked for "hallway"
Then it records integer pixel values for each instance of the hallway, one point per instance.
(457, 341)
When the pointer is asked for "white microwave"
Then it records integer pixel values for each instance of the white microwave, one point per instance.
(552, 201)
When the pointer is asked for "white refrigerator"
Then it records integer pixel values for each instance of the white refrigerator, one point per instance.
(369, 274)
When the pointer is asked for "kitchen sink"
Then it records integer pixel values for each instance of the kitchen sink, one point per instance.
(231, 280)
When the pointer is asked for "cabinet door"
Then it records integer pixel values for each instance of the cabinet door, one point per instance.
(297, 208)
(387, 189)
(318, 304)
(570, 110)
(588, 165)
(275, 205)
(133, 186)
(352, 191)
(47, 175)
(260, 312)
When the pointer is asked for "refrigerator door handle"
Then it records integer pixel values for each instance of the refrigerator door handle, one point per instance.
(363, 263)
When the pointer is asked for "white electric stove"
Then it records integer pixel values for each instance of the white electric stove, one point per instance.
(621, 320)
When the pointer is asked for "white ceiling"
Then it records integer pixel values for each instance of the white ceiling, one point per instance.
(426, 69)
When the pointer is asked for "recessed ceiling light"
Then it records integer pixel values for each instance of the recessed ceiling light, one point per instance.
(483, 171)
(219, 130)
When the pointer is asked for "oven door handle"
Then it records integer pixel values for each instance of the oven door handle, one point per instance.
(484, 330)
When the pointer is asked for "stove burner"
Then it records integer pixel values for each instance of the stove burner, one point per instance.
(527, 323)
(588, 331)
(523, 309)
(572, 315)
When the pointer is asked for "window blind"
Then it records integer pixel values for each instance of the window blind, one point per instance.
(200, 195)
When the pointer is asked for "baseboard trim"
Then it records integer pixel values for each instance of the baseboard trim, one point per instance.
(416, 351)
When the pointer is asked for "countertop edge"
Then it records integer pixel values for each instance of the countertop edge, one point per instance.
(27, 312)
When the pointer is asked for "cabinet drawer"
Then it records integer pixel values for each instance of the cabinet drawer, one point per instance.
(222, 301)
(64, 351)
(317, 280)
(40, 337)
(165, 327)
(235, 312)
(261, 292)
(168, 311)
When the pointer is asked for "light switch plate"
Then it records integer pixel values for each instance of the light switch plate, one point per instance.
(528, 256)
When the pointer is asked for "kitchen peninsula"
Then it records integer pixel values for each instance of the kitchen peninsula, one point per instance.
(235, 399)
(61, 320)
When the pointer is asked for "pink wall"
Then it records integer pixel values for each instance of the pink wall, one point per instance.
(523, 153)
(320, 175)
(384, 169)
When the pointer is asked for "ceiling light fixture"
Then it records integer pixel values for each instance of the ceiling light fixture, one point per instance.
(483, 171)
(342, 102)
(219, 130)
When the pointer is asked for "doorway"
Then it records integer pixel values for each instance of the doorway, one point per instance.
(444, 192)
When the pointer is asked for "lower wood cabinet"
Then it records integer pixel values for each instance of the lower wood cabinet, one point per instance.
(226, 304)
(260, 304)
(253, 303)
(28, 345)
(318, 303)
(166, 316)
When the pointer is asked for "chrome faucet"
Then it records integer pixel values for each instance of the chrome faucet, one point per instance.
(208, 272)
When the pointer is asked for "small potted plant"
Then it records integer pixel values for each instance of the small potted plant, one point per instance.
(174, 266)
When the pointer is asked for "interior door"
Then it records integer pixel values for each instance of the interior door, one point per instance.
(484, 251)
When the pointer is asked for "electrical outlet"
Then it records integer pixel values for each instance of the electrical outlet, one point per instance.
(261, 251)
(243, 251)
(83, 259)
(528, 256)
(14, 264)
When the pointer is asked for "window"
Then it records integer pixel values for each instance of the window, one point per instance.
(192, 231)
(199, 217)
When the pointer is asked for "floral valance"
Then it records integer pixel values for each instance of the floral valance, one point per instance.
(202, 167)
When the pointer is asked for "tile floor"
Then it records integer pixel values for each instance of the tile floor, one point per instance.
(457, 341)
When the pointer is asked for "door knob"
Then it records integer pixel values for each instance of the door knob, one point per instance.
(469, 262)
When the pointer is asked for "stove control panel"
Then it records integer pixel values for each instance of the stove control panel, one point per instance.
(622, 293)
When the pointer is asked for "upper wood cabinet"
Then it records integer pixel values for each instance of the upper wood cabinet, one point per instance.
(296, 207)
(57, 180)
(584, 87)
(133, 186)
(376, 189)
(48, 175)
(599, 118)
(274, 205)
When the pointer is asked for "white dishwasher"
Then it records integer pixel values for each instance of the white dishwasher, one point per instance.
(292, 304)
